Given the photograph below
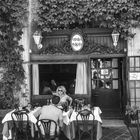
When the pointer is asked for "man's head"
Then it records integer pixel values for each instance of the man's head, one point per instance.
(55, 99)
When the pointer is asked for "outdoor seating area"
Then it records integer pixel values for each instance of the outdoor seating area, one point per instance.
(75, 120)
(81, 121)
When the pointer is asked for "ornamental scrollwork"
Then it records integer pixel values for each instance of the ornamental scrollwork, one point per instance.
(88, 48)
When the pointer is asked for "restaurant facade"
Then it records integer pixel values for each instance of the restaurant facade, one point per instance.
(87, 63)
(90, 62)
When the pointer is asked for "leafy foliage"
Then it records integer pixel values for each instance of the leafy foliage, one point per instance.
(66, 14)
(13, 14)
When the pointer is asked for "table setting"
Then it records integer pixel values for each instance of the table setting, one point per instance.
(8, 124)
(69, 120)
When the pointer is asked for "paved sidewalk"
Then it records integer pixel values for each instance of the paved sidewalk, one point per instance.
(109, 133)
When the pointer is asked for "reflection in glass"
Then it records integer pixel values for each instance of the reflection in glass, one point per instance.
(131, 62)
(114, 62)
(103, 76)
(137, 93)
(115, 73)
(137, 62)
(131, 84)
(137, 83)
(115, 84)
(132, 93)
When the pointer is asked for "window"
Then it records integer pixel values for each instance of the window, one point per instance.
(104, 73)
(72, 75)
(62, 74)
(134, 85)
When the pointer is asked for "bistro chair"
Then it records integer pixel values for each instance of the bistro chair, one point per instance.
(44, 127)
(21, 128)
(85, 123)
(78, 104)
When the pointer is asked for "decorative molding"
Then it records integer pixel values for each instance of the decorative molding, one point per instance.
(88, 47)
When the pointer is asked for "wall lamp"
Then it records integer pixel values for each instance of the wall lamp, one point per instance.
(37, 39)
(115, 37)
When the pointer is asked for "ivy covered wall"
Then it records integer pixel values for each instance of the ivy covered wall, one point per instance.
(66, 14)
(13, 18)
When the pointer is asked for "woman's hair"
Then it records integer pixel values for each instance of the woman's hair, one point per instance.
(62, 88)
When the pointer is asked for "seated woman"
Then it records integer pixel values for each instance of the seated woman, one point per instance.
(65, 100)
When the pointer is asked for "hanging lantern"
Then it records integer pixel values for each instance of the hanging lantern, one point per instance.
(115, 37)
(37, 39)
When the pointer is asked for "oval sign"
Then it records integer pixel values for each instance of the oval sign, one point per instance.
(76, 42)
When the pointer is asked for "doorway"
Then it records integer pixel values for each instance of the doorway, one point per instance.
(106, 83)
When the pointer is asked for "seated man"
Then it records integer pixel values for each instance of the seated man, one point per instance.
(51, 112)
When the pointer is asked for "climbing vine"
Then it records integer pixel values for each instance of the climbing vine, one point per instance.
(66, 14)
(13, 16)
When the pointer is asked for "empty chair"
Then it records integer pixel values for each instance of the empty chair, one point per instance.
(21, 127)
(85, 123)
(47, 129)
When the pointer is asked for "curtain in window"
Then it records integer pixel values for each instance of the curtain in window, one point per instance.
(81, 79)
(35, 79)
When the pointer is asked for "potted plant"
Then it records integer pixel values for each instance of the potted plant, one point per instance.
(132, 112)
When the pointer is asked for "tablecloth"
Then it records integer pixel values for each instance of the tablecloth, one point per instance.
(69, 127)
(7, 124)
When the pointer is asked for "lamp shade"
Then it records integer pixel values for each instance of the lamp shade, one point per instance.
(37, 37)
(115, 37)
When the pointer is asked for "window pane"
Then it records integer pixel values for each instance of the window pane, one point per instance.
(137, 62)
(137, 69)
(138, 93)
(107, 64)
(132, 69)
(137, 83)
(93, 84)
(132, 93)
(131, 62)
(92, 64)
(108, 84)
(115, 73)
(132, 103)
(131, 84)
(114, 63)
(115, 84)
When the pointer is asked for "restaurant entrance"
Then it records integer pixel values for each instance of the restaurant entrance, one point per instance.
(108, 83)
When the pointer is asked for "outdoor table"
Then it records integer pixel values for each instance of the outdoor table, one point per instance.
(8, 124)
(69, 127)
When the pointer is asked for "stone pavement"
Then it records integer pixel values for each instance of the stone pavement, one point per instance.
(110, 132)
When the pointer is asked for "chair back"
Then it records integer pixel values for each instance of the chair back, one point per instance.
(20, 120)
(44, 128)
(85, 122)
(21, 128)
(78, 104)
